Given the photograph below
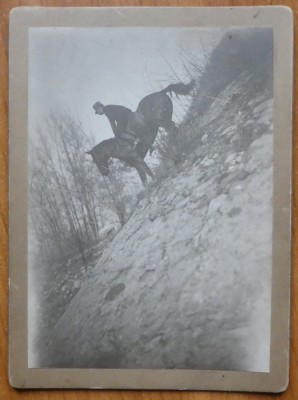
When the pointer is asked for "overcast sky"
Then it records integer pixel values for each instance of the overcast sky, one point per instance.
(72, 68)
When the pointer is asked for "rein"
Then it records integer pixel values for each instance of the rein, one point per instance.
(117, 147)
(103, 166)
(134, 141)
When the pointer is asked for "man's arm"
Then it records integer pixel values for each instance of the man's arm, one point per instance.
(113, 125)
(118, 116)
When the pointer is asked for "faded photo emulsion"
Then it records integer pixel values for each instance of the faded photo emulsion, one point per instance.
(150, 197)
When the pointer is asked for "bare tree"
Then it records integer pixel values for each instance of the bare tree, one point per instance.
(68, 197)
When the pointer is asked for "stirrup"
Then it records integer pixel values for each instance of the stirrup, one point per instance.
(135, 143)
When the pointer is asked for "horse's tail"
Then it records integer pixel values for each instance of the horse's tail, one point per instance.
(179, 88)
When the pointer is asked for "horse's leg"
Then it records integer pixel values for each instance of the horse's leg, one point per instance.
(141, 173)
(143, 165)
(172, 129)
(142, 168)
(147, 169)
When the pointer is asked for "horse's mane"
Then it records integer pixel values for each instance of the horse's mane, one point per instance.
(104, 143)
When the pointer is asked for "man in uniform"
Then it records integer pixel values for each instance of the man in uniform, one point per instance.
(117, 116)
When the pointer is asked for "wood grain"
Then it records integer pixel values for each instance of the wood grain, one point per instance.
(6, 392)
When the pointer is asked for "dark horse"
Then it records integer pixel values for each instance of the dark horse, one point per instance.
(154, 111)
(123, 151)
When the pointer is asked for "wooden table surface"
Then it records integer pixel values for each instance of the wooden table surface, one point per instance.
(6, 392)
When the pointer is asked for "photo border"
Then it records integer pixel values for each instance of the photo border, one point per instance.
(280, 18)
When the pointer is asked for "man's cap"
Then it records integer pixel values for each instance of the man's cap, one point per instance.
(97, 105)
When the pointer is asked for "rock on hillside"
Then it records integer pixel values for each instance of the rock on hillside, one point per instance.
(186, 282)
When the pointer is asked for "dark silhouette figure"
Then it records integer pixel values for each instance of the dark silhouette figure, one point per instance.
(121, 150)
(136, 131)
(154, 111)
(117, 116)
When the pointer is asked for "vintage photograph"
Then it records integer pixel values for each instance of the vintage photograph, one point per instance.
(150, 197)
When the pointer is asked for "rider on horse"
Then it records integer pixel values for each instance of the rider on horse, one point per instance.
(141, 127)
(118, 117)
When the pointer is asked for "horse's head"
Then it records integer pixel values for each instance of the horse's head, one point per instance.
(100, 161)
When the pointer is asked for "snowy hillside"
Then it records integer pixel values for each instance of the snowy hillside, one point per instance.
(186, 283)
